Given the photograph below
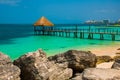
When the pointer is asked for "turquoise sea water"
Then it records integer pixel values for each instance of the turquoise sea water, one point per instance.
(16, 40)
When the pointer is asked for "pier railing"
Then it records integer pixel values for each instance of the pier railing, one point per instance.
(78, 32)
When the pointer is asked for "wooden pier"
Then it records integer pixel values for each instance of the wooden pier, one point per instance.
(77, 32)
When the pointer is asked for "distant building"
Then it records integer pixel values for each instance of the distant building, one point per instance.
(106, 22)
(98, 22)
(90, 22)
(119, 21)
(102, 22)
(94, 22)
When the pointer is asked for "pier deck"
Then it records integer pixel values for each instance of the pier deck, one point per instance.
(78, 33)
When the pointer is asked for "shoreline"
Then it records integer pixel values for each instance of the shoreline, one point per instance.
(105, 50)
(109, 50)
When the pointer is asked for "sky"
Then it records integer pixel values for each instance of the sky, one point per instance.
(58, 11)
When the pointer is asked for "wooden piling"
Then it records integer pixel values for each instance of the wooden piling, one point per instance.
(59, 33)
(69, 33)
(113, 37)
(89, 36)
(101, 37)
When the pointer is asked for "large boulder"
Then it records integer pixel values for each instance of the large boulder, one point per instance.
(77, 60)
(36, 66)
(116, 64)
(101, 74)
(8, 71)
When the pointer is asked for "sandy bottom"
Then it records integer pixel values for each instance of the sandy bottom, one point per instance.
(105, 50)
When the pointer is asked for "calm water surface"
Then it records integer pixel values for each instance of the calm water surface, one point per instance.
(16, 40)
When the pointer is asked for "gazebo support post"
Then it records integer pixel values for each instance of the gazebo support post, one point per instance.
(43, 31)
(35, 30)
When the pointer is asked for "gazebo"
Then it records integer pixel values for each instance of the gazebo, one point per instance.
(43, 22)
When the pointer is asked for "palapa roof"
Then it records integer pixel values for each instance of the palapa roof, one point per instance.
(43, 22)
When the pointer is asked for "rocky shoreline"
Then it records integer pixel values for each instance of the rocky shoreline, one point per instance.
(71, 65)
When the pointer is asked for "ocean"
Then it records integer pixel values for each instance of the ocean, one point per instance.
(19, 39)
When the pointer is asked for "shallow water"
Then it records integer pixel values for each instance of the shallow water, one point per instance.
(20, 40)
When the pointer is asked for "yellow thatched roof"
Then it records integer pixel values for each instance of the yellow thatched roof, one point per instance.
(43, 22)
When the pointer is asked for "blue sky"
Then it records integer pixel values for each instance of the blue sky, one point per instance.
(58, 11)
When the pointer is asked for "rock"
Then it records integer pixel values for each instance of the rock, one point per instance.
(118, 49)
(4, 59)
(7, 70)
(78, 76)
(101, 59)
(116, 58)
(61, 74)
(105, 65)
(101, 74)
(116, 64)
(117, 54)
(77, 60)
(36, 66)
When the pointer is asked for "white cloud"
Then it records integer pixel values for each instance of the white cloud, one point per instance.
(10, 2)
